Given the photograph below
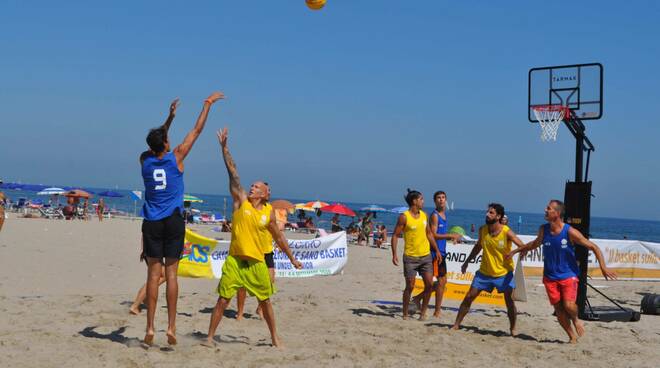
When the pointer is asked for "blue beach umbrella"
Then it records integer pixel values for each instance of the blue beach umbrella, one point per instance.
(110, 194)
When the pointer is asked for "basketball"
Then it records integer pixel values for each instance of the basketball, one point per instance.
(315, 4)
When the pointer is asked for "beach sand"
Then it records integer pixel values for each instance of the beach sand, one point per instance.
(65, 289)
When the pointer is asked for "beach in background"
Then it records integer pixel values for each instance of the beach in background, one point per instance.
(522, 223)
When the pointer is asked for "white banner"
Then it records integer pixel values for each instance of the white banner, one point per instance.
(630, 259)
(326, 255)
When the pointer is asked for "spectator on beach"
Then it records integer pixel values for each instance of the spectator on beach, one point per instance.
(366, 229)
(309, 223)
(381, 236)
(3, 200)
(69, 210)
(100, 207)
(335, 224)
(226, 226)
(504, 220)
(301, 215)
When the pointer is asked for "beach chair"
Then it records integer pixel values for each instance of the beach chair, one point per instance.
(51, 213)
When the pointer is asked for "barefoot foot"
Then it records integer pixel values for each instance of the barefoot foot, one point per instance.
(209, 343)
(148, 339)
(171, 338)
(134, 309)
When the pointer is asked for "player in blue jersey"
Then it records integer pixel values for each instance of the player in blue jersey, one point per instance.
(560, 268)
(439, 229)
(163, 228)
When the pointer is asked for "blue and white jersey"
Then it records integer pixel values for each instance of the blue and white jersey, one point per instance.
(442, 229)
(163, 187)
(559, 261)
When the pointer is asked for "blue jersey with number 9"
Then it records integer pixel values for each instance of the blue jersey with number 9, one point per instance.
(163, 187)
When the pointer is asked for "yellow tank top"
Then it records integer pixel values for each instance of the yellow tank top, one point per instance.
(494, 250)
(245, 231)
(414, 236)
(265, 238)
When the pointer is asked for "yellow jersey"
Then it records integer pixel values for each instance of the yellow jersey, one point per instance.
(414, 236)
(248, 223)
(265, 238)
(495, 248)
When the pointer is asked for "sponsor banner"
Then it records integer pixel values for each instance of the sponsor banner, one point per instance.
(327, 255)
(458, 283)
(630, 259)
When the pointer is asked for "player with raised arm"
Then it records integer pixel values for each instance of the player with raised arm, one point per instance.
(245, 266)
(163, 228)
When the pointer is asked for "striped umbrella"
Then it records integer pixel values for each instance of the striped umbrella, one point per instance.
(191, 199)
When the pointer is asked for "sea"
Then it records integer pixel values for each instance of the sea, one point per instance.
(520, 222)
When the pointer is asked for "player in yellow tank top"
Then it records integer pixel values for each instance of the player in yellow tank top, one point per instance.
(495, 272)
(266, 245)
(495, 247)
(413, 224)
(245, 266)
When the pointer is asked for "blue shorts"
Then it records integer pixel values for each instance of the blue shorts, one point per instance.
(488, 283)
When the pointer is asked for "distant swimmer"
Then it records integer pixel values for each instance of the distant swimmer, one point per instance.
(495, 271)
(439, 229)
(163, 228)
(418, 243)
(245, 266)
(560, 269)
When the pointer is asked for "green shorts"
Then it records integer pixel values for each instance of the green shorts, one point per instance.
(252, 275)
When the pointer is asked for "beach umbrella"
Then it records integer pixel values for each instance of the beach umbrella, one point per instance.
(316, 204)
(33, 187)
(283, 205)
(191, 199)
(52, 191)
(373, 208)
(78, 193)
(110, 194)
(401, 209)
(338, 208)
(457, 230)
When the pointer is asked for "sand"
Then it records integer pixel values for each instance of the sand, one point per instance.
(65, 289)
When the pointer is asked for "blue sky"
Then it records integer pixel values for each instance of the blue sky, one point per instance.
(352, 103)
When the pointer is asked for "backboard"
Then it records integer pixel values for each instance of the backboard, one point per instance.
(579, 87)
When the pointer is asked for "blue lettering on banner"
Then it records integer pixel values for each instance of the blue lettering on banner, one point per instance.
(217, 255)
(199, 253)
(304, 244)
(333, 253)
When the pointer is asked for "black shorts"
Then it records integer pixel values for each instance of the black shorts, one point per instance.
(164, 238)
(270, 262)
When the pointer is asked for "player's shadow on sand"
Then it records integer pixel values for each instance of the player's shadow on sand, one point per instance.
(229, 313)
(114, 336)
(224, 339)
(498, 333)
(387, 311)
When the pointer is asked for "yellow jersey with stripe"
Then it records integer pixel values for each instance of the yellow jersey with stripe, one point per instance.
(495, 248)
(414, 235)
(248, 222)
(265, 237)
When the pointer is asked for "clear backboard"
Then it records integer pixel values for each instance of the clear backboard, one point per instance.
(578, 87)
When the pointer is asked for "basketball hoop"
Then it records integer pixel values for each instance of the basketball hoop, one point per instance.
(549, 117)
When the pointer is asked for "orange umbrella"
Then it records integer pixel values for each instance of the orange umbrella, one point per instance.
(78, 193)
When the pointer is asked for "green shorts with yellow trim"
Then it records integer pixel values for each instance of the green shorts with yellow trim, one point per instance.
(252, 275)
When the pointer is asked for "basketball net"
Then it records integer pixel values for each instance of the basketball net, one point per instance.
(549, 117)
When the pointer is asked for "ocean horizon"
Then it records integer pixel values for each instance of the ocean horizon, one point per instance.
(521, 222)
